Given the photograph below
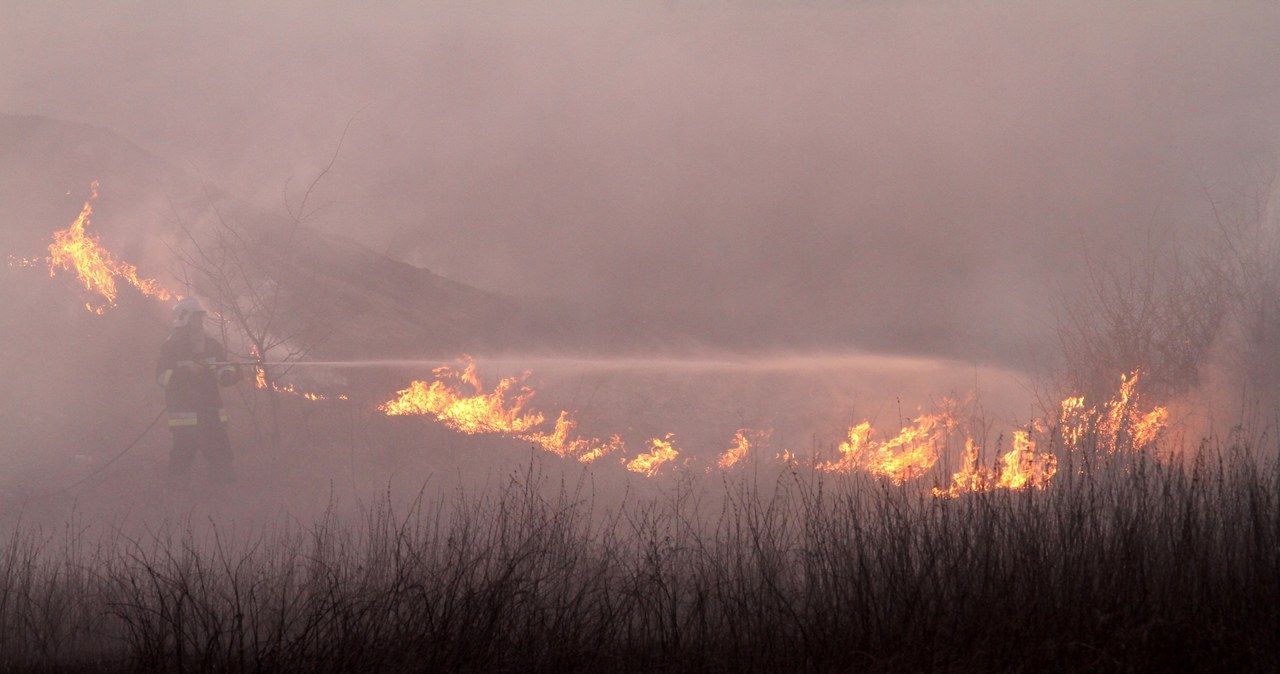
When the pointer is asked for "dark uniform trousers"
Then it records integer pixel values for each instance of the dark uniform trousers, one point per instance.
(208, 438)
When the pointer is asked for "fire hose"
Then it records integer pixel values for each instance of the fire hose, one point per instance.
(161, 415)
(106, 465)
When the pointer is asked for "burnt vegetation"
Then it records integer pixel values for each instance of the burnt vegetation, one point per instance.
(1124, 562)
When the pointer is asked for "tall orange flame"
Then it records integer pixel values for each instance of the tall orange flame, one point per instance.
(971, 477)
(1073, 422)
(1123, 425)
(1023, 468)
(1018, 469)
(73, 249)
(1120, 426)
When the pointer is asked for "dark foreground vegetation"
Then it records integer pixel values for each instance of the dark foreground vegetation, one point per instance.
(1129, 564)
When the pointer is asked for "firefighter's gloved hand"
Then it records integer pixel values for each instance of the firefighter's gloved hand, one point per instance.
(229, 375)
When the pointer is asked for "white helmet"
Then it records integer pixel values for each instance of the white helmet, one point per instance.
(184, 310)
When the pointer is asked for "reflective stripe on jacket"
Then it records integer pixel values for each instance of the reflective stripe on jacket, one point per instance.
(195, 418)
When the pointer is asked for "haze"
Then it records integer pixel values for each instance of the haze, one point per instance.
(910, 176)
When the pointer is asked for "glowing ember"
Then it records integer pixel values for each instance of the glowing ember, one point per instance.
(95, 268)
(908, 455)
(290, 389)
(660, 452)
(742, 443)
(474, 412)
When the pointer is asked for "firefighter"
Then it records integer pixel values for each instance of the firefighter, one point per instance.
(192, 366)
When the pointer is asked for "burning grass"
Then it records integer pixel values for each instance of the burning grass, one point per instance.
(1122, 563)
(97, 270)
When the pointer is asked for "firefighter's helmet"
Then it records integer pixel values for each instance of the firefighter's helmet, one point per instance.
(185, 309)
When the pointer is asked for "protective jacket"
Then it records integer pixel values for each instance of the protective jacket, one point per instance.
(192, 398)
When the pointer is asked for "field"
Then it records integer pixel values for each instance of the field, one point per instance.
(1123, 562)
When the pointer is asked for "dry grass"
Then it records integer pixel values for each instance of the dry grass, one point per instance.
(1123, 564)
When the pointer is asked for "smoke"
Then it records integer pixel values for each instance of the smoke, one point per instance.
(902, 175)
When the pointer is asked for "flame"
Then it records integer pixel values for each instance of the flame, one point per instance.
(260, 382)
(1073, 422)
(909, 454)
(290, 389)
(1023, 468)
(1119, 426)
(477, 412)
(851, 451)
(94, 266)
(741, 444)
(560, 441)
(614, 444)
(660, 452)
(1125, 422)
(971, 477)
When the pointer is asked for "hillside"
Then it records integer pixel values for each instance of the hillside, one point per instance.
(76, 384)
(151, 212)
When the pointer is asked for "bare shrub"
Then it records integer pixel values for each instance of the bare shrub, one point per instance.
(1122, 563)
(1160, 319)
(1176, 314)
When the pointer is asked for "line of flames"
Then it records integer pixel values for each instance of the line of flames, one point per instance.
(563, 442)
(289, 389)
(260, 382)
(1119, 425)
(909, 454)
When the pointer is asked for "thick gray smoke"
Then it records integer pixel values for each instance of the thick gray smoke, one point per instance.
(907, 175)
(911, 177)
